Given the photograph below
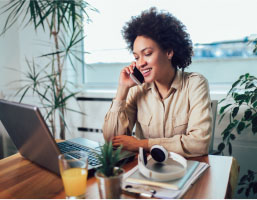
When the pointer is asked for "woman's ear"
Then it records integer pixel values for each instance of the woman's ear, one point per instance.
(170, 54)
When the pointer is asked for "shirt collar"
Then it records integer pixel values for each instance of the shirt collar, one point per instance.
(176, 84)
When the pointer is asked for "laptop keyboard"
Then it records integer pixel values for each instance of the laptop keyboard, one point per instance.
(70, 146)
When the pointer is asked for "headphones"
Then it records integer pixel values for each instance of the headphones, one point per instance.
(161, 165)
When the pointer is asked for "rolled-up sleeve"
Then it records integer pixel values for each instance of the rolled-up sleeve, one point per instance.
(120, 119)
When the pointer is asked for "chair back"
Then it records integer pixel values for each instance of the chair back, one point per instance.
(214, 104)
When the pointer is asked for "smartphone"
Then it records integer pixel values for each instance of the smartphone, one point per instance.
(137, 76)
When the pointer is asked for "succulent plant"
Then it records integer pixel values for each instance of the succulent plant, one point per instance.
(109, 159)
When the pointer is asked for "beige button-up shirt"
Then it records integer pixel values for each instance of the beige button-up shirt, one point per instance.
(182, 122)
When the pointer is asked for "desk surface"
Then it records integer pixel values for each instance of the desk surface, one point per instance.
(19, 178)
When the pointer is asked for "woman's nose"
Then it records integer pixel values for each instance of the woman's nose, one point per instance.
(141, 63)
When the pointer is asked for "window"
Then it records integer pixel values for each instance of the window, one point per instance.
(221, 31)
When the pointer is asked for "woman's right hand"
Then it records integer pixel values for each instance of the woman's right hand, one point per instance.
(125, 80)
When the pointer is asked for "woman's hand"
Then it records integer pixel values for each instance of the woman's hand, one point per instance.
(129, 142)
(125, 79)
(125, 82)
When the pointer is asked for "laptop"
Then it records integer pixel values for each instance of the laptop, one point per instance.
(32, 137)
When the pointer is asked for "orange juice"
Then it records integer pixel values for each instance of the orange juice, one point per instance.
(75, 181)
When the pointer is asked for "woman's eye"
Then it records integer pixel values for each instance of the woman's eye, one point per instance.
(148, 54)
(136, 58)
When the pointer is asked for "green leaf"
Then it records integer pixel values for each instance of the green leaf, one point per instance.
(240, 127)
(109, 158)
(250, 172)
(255, 104)
(255, 187)
(254, 120)
(234, 95)
(232, 125)
(222, 109)
(241, 97)
(221, 147)
(14, 8)
(247, 192)
(24, 93)
(221, 117)
(243, 179)
(248, 125)
(51, 54)
(235, 111)
(243, 82)
(247, 114)
(240, 190)
(249, 86)
(236, 83)
(254, 98)
(222, 100)
(232, 136)
(242, 76)
(226, 134)
(229, 148)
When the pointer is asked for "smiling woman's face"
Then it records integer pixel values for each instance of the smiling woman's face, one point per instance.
(151, 60)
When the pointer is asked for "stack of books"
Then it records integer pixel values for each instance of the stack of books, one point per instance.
(134, 182)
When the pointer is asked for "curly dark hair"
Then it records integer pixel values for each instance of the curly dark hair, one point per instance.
(166, 30)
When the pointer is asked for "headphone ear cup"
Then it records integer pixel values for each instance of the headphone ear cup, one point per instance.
(159, 153)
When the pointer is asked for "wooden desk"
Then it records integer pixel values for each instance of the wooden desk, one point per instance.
(19, 178)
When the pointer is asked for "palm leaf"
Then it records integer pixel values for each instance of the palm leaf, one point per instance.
(58, 15)
(50, 112)
(39, 9)
(63, 119)
(51, 54)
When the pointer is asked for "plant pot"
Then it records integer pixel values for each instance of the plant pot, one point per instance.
(109, 187)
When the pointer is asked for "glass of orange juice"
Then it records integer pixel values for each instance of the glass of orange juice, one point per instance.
(74, 170)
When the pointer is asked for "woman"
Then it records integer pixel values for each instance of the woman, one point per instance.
(171, 108)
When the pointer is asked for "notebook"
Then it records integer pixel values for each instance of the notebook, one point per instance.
(146, 190)
(32, 137)
(137, 177)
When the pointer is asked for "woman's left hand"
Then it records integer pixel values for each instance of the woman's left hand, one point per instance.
(128, 142)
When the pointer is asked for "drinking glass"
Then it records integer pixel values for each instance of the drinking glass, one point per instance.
(74, 170)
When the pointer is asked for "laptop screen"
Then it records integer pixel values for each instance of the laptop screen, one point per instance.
(30, 134)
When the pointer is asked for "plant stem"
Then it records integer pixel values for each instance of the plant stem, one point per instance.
(58, 81)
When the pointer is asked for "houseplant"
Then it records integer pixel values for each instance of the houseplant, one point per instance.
(62, 20)
(109, 175)
(241, 97)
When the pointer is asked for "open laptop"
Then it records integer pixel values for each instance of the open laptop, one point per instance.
(31, 135)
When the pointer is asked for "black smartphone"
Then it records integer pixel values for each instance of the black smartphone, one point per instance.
(137, 76)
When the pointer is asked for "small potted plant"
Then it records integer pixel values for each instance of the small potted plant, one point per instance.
(109, 175)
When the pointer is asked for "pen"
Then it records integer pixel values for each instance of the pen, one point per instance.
(142, 191)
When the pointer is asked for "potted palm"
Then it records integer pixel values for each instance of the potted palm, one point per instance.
(109, 175)
(62, 20)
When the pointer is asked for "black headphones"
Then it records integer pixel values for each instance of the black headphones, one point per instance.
(153, 166)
